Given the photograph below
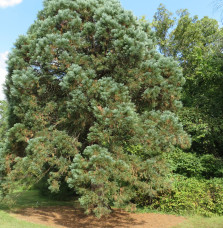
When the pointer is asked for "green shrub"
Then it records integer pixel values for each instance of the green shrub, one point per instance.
(192, 165)
(212, 166)
(183, 163)
(205, 130)
(193, 196)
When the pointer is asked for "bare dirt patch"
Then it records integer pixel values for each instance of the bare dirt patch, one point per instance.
(68, 217)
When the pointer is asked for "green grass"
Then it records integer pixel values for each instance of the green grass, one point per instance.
(202, 222)
(7, 221)
(22, 200)
(145, 210)
(31, 198)
(34, 199)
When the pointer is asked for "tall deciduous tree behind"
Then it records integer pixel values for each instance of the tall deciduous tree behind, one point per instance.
(91, 103)
(197, 45)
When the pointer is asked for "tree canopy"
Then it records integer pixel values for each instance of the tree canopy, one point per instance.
(197, 45)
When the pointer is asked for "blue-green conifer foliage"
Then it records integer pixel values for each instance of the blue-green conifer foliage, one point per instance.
(91, 103)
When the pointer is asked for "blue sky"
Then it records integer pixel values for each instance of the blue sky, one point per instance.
(17, 15)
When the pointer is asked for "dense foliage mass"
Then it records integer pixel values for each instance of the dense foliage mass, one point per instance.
(197, 173)
(191, 196)
(91, 104)
(197, 44)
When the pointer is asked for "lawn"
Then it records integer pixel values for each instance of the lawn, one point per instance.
(7, 221)
(23, 200)
(32, 199)
(201, 222)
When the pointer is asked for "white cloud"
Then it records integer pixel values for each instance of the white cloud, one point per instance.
(7, 3)
(3, 72)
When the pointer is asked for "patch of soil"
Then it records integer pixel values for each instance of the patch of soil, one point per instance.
(70, 217)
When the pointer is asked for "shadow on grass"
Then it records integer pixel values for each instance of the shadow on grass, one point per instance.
(68, 216)
(38, 208)
(32, 207)
(30, 198)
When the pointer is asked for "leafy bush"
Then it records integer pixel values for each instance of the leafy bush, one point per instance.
(192, 165)
(212, 166)
(205, 130)
(193, 196)
(183, 163)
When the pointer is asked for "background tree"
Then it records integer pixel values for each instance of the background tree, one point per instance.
(163, 22)
(197, 45)
(92, 104)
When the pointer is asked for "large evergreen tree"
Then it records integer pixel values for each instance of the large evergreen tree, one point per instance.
(91, 104)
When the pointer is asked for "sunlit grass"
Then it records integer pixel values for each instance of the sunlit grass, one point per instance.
(7, 221)
(202, 222)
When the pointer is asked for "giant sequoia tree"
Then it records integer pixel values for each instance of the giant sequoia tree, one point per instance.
(91, 104)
